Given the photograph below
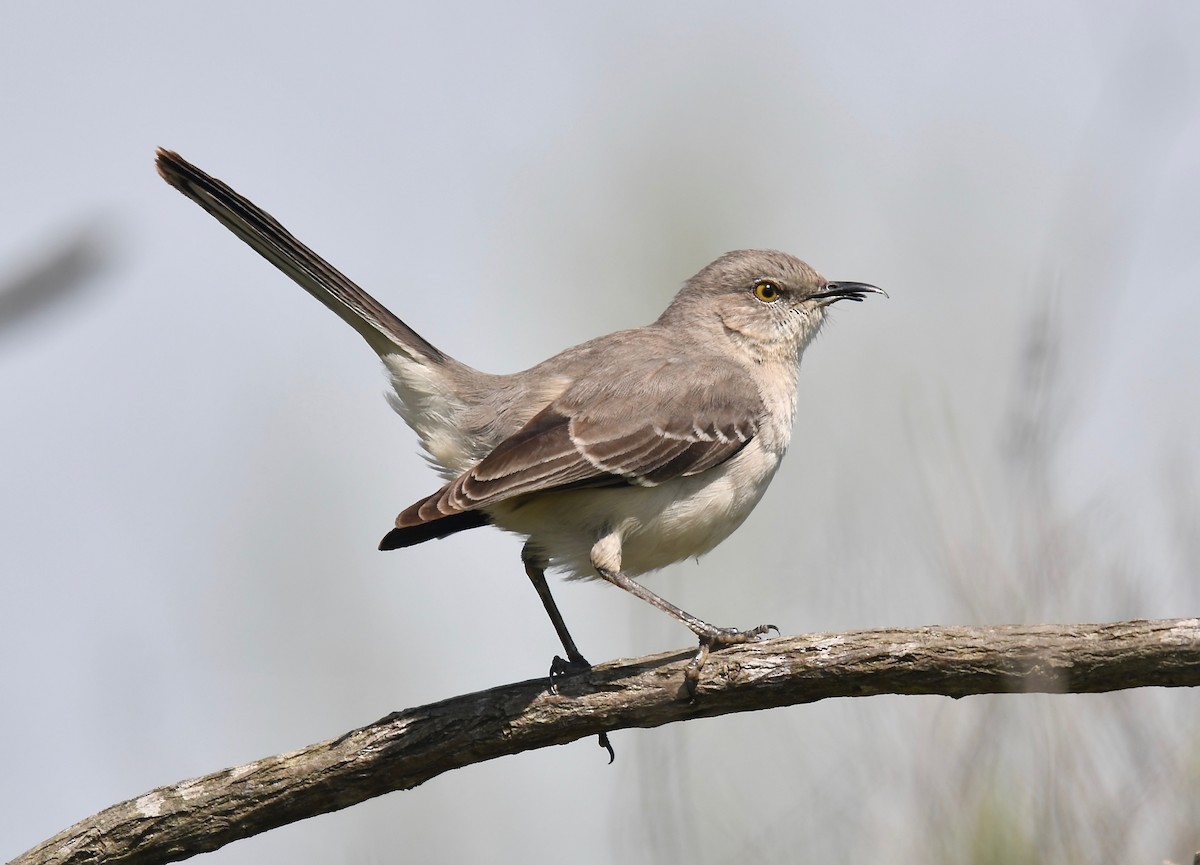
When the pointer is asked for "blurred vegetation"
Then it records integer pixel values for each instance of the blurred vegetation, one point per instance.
(999, 780)
(54, 277)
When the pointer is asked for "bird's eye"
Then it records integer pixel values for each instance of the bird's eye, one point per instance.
(766, 291)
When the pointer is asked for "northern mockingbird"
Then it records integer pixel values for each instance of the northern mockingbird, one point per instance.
(616, 457)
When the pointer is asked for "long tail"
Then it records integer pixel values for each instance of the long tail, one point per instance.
(382, 330)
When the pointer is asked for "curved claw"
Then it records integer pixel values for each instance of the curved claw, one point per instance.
(604, 743)
(691, 675)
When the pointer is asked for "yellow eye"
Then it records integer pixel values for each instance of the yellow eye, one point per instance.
(766, 291)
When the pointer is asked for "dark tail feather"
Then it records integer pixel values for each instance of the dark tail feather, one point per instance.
(382, 330)
(421, 532)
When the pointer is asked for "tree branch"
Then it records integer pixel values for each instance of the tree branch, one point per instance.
(409, 747)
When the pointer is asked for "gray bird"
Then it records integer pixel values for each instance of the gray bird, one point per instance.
(613, 458)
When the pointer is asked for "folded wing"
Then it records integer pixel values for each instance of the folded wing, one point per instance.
(633, 427)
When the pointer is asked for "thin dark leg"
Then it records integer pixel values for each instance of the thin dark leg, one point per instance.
(575, 662)
(537, 575)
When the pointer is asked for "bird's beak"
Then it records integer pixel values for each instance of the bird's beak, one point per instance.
(835, 291)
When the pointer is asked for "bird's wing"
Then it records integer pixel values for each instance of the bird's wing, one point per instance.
(634, 427)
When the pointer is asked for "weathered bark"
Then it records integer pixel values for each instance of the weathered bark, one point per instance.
(409, 747)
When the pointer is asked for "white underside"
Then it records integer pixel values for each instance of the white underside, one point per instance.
(656, 526)
(431, 409)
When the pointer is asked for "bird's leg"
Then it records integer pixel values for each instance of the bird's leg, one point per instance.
(607, 552)
(575, 662)
(711, 636)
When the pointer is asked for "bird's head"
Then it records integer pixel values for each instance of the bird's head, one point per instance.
(768, 303)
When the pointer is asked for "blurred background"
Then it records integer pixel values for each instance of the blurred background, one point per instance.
(196, 461)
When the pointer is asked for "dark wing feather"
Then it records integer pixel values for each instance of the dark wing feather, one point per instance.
(438, 529)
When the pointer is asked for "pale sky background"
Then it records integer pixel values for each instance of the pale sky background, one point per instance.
(197, 462)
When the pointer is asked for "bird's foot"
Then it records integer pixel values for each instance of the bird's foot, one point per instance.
(719, 638)
(716, 639)
(560, 668)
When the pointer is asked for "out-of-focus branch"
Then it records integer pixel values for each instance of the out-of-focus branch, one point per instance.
(55, 275)
(409, 747)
